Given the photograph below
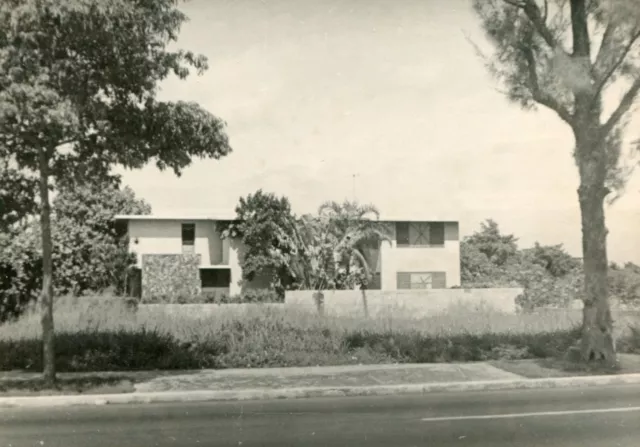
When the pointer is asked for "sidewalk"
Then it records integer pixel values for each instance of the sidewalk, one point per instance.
(330, 376)
(282, 383)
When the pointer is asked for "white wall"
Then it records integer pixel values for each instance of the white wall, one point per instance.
(446, 259)
(204, 310)
(405, 303)
(165, 237)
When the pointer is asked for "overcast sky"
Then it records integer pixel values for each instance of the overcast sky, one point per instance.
(315, 92)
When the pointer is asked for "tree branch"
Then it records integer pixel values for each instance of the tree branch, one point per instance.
(537, 93)
(532, 11)
(602, 81)
(605, 44)
(625, 104)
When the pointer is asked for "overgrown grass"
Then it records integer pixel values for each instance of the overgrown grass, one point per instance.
(102, 333)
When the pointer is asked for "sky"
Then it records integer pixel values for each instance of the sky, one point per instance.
(383, 101)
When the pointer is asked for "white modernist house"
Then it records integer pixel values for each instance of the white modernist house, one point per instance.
(422, 254)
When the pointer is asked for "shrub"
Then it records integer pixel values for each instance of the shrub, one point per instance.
(258, 296)
(248, 296)
(112, 351)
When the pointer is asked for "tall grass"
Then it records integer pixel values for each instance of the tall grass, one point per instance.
(99, 333)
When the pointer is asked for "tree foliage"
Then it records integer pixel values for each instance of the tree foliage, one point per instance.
(90, 253)
(78, 94)
(17, 198)
(267, 229)
(329, 251)
(357, 233)
(624, 283)
(549, 275)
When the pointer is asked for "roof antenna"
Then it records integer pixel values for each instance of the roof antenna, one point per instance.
(354, 187)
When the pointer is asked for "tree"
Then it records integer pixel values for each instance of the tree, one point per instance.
(357, 232)
(624, 283)
(553, 258)
(78, 85)
(485, 254)
(314, 265)
(90, 252)
(17, 200)
(497, 247)
(565, 56)
(267, 229)
(356, 229)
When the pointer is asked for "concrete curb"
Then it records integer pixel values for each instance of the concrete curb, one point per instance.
(315, 392)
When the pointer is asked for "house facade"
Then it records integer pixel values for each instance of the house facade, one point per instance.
(187, 255)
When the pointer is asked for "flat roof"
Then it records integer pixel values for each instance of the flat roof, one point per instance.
(175, 217)
(232, 216)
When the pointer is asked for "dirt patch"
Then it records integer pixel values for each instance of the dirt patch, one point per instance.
(548, 368)
(16, 387)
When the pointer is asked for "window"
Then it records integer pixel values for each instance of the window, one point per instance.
(421, 280)
(188, 238)
(402, 233)
(420, 234)
(215, 278)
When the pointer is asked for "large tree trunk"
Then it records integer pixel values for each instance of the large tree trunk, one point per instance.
(597, 330)
(46, 297)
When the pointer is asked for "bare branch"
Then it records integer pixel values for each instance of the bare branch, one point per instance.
(537, 93)
(602, 81)
(537, 18)
(605, 44)
(625, 104)
(532, 11)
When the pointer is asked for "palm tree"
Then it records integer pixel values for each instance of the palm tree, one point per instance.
(355, 229)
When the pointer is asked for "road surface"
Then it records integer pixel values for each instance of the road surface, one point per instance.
(552, 418)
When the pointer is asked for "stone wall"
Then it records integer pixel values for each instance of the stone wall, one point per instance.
(406, 303)
(167, 277)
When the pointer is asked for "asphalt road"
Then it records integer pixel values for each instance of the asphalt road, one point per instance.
(551, 418)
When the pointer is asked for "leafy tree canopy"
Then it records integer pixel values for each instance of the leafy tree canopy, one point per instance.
(78, 81)
(267, 229)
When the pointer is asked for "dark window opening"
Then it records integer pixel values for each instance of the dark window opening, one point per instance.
(188, 238)
(402, 233)
(436, 233)
(215, 278)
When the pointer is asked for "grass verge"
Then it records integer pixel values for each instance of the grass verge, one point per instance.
(104, 334)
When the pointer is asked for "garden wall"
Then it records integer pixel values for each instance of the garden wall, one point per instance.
(204, 310)
(406, 303)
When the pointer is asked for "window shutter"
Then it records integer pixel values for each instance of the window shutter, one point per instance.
(403, 280)
(439, 280)
(402, 233)
(436, 233)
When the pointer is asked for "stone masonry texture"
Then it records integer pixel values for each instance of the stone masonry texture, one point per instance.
(165, 277)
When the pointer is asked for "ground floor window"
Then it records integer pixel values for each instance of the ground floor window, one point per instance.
(215, 278)
(421, 280)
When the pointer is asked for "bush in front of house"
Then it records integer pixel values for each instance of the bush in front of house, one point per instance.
(248, 296)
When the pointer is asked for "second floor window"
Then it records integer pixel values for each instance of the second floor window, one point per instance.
(188, 238)
(420, 234)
